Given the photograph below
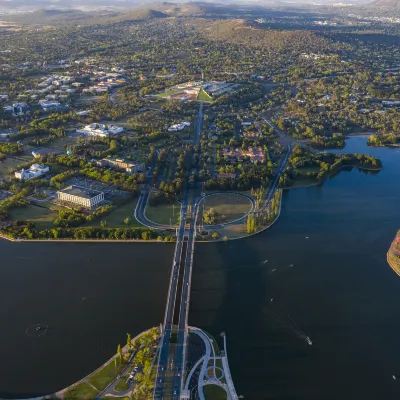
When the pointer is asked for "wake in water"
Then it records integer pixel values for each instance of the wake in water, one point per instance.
(286, 321)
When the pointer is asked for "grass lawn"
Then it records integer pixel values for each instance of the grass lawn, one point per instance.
(42, 217)
(61, 143)
(121, 385)
(83, 391)
(169, 92)
(6, 164)
(214, 392)
(116, 218)
(203, 96)
(163, 213)
(106, 375)
(230, 207)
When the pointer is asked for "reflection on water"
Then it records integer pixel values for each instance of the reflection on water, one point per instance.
(86, 296)
(323, 264)
(339, 291)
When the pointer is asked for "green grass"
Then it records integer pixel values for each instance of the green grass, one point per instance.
(60, 144)
(121, 385)
(214, 392)
(169, 92)
(42, 217)
(204, 96)
(230, 207)
(162, 214)
(116, 218)
(106, 375)
(83, 391)
(6, 164)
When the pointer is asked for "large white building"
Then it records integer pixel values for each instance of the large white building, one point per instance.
(178, 127)
(34, 171)
(100, 130)
(80, 196)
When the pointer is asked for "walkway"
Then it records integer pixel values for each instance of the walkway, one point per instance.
(225, 381)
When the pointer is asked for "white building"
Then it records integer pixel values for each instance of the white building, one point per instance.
(178, 127)
(34, 171)
(100, 130)
(80, 196)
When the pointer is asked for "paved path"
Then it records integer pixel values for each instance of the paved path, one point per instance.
(203, 378)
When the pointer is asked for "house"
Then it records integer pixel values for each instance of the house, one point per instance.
(100, 130)
(17, 109)
(48, 105)
(126, 166)
(34, 171)
(80, 196)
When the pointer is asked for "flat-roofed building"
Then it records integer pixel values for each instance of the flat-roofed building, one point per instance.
(34, 171)
(87, 198)
(118, 163)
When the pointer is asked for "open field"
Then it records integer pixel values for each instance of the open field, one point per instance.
(61, 143)
(6, 164)
(163, 213)
(42, 217)
(121, 385)
(214, 392)
(83, 391)
(106, 375)
(116, 218)
(203, 96)
(169, 92)
(230, 207)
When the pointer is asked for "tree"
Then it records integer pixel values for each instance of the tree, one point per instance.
(128, 340)
(127, 221)
(103, 224)
(119, 352)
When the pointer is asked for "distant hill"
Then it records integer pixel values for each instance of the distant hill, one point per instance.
(180, 10)
(142, 14)
(393, 4)
(53, 16)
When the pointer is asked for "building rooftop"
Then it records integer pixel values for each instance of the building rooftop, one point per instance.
(80, 192)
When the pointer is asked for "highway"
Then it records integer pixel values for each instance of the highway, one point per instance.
(172, 358)
(171, 368)
(165, 344)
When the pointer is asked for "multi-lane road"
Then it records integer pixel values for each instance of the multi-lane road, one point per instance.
(172, 357)
(171, 368)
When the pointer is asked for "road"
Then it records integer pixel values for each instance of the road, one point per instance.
(171, 363)
(287, 142)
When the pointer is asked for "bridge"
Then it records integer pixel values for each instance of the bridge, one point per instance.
(171, 368)
(172, 356)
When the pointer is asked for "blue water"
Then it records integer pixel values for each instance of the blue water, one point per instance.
(340, 292)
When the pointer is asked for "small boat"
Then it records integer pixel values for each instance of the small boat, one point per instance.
(309, 341)
(272, 299)
(394, 377)
(273, 270)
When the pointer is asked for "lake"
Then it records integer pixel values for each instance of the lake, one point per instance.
(323, 265)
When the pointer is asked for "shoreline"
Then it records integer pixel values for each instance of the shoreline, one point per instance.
(390, 264)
